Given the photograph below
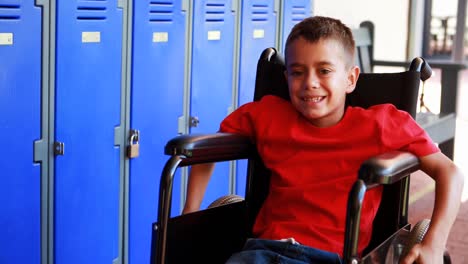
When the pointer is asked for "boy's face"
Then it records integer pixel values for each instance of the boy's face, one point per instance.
(319, 79)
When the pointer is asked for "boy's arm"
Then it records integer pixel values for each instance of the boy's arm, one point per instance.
(449, 186)
(198, 179)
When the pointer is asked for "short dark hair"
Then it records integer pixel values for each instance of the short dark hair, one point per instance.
(315, 28)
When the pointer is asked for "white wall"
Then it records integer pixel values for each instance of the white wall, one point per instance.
(389, 17)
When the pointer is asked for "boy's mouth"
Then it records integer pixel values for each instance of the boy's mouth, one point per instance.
(314, 99)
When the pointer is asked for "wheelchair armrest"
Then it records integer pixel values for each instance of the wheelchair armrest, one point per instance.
(200, 148)
(388, 168)
(187, 150)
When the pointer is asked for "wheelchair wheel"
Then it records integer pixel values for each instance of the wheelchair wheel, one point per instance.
(227, 199)
(416, 235)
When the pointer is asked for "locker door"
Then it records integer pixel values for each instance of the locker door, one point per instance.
(293, 12)
(156, 105)
(211, 77)
(87, 100)
(257, 33)
(20, 115)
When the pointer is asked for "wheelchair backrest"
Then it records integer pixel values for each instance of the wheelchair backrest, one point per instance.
(400, 89)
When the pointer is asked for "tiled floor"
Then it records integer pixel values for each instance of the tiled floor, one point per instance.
(421, 193)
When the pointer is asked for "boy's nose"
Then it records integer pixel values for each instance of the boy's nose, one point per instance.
(312, 82)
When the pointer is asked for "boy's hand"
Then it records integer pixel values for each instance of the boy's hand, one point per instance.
(449, 186)
(424, 254)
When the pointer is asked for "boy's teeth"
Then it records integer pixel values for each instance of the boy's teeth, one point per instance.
(313, 99)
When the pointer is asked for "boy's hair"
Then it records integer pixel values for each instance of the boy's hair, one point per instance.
(315, 28)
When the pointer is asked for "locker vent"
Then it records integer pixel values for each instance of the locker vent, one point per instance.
(298, 13)
(161, 11)
(91, 10)
(10, 11)
(214, 12)
(259, 13)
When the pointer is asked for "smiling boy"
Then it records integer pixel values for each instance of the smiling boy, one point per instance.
(314, 145)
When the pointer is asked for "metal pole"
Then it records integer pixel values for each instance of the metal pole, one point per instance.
(458, 47)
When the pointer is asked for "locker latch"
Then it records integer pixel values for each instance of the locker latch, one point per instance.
(59, 148)
(194, 121)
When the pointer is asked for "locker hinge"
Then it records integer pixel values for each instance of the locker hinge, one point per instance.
(276, 7)
(40, 150)
(185, 5)
(118, 136)
(59, 148)
(230, 109)
(181, 125)
(40, 2)
(235, 6)
(120, 4)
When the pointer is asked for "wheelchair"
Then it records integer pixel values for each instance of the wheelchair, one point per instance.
(212, 235)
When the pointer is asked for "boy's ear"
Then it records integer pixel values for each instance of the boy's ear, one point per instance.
(353, 75)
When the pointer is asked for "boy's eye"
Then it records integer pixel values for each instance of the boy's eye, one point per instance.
(295, 73)
(324, 71)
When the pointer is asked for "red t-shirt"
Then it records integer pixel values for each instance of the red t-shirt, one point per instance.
(314, 168)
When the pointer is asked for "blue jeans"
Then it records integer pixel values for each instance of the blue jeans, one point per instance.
(260, 251)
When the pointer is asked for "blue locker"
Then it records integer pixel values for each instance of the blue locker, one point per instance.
(87, 110)
(20, 115)
(257, 33)
(156, 105)
(212, 76)
(293, 11)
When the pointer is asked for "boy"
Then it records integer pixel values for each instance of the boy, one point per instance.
(300, 140)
